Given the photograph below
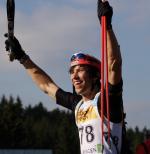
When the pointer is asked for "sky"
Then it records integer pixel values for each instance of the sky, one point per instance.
(50, 31)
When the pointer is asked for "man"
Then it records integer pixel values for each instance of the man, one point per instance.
(85, 77)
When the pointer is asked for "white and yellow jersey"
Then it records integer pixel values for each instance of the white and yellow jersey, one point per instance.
(88, 121)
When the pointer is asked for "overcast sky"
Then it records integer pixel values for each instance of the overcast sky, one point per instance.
(50, 31)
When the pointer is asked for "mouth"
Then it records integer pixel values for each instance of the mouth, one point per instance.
(77, 83)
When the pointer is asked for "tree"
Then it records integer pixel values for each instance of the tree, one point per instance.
(11, 123)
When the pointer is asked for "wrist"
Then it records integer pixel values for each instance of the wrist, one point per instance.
(109, 26)
(23, 59)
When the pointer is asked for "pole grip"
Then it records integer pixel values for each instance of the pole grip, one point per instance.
(10, 19)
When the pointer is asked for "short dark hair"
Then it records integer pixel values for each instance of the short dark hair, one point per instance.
(94, 73)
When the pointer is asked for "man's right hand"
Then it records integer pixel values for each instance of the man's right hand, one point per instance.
(14, 46)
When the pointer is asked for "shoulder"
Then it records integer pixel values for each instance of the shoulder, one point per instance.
(67, 99)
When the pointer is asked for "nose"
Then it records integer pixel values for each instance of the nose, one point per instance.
(74, 75)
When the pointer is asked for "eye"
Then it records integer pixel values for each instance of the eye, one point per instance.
(81, 69)
(71, 72)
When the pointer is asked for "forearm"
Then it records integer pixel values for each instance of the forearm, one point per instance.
(42, 80)
(114, 58)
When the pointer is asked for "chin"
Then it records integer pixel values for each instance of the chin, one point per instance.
(78, 91)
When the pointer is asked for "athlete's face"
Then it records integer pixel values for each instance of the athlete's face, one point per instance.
(81, 80)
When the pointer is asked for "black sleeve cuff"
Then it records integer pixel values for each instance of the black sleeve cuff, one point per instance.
(116, 102)
(115, 89)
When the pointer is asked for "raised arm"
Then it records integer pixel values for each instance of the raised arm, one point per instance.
(113, 49)
(42, 80)
(114, 58)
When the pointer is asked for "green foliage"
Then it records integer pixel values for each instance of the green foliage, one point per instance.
(37, 128)
(135, 137)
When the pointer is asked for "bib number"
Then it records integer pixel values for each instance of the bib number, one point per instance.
(86, 133)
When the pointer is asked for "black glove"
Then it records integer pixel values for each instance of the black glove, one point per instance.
(16, 51)
(104, 9)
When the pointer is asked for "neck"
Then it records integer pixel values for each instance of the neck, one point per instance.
(89, 96)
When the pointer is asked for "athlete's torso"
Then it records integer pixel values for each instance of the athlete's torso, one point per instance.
(89, 126)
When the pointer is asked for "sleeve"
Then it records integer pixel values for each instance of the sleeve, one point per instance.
(116, 102)
(67, 99)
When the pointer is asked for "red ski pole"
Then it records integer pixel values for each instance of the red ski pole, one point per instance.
(104, 71)
(107, 92)
(102, 77)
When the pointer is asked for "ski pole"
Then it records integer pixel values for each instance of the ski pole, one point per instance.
(102, 78)
(107, 92)
(104, 71)
(10, 18)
